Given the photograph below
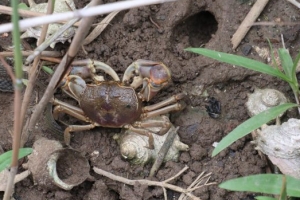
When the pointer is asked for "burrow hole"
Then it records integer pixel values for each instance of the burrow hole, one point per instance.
(196, 29)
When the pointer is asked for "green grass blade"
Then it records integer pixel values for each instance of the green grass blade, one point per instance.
(296, 61)
(250, 125)
(240, 61)
(263, 183)
(286, 62)
(48, 70)
(5, 158)
(264, 198)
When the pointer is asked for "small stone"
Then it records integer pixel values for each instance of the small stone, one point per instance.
(246, 49)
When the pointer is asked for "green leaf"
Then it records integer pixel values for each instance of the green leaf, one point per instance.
(263, 183)
(264, 198)
(5, 158)
(240, 61)
(250, 125)
(286, 62)
(23, 6)
(47, 70)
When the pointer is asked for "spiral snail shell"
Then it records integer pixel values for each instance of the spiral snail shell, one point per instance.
(281, 144)
(133, 146)
(263, 99)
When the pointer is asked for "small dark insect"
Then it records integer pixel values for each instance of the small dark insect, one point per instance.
(213, 108)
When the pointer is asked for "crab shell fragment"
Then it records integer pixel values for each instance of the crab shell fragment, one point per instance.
(60, 7)
(264, 99)
(133, 146)
(281, 144)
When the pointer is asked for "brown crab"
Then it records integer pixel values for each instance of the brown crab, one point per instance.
(116, 103)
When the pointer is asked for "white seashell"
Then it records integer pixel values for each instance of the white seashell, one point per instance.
(264, 99)
(133, 146)
(281, 144)
(60, 6)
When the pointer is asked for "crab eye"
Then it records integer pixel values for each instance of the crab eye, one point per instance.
(128, 106)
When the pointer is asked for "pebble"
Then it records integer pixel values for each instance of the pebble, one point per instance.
(246, 49)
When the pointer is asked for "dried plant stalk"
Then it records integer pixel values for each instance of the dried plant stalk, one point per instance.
(247, 23)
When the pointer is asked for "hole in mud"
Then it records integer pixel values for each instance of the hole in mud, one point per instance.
(196, 30)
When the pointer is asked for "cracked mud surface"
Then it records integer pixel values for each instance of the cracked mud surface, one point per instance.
(131, 36)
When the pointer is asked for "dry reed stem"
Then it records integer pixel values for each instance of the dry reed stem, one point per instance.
(33, 72)
(247, 23)
(99, 28)
(81, 13)
(27, 13)
(295, 3)
(28, 53)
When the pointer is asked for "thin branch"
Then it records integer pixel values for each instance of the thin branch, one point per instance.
(81, 13)
(33, 73)
(178, 174)
(8, 69)
(163, 184)
(99, 28)
(163, 151)
(28, 53)
(295, 3)
(247, 22)
(27, 13)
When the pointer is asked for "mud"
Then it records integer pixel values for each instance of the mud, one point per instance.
(161, 33)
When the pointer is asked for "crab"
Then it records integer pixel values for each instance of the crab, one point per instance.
(115, 103)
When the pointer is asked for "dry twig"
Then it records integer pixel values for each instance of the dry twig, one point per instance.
(164, 184)
(33, 73)
(81, 13)
(163, 151)
(295, 3)
(28, 53)
(247, 23)
(99, 28)
(8, 69)
(27, 13)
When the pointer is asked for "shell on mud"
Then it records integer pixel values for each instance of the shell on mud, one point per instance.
(60, 6)
(281, 144)
(133, 146)
(53, 166)
(263, 99)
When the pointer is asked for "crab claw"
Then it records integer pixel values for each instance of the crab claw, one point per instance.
(74, 86)
(152, 75)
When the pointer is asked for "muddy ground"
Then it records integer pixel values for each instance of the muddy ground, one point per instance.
(131, 36)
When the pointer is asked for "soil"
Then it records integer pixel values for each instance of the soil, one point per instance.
(161, 33)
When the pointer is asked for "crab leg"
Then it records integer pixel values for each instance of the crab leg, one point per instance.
(164, 103)
(62, 107)
(74, 128)
(165, 125)
(142, 132)
(66, 108)
(164, 110)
